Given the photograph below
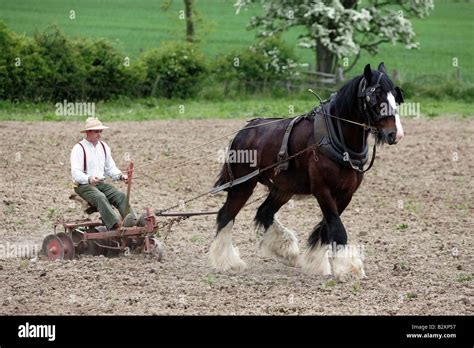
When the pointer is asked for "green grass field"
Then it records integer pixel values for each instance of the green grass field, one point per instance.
(134, 25)
(246, 108)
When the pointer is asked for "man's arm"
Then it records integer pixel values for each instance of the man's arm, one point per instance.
(77, 165)
(110, 167)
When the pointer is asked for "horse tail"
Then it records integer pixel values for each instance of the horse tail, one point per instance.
(223, 177)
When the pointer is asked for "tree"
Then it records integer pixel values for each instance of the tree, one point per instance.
(187, 13)
(188, 5)
(340, 28)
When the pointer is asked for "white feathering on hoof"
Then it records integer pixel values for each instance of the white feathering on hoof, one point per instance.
(347, 263)
(223, 255)
(280, 242)
(316, 260)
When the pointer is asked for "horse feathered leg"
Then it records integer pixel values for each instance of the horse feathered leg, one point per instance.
(329, 242)
(316, 256)
(278, 241)
(223, 255)
(347, 259)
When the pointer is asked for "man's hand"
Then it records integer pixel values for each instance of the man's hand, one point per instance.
(124, 178)
(94, 180)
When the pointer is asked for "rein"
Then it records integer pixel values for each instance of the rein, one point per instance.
(373, 130)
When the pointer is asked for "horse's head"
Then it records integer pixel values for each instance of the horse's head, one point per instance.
(380, 99)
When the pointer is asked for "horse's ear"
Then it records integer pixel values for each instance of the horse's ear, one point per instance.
(368, 73)
(399, 95)
(381, 68)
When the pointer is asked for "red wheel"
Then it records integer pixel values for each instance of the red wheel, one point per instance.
(68, 246)
(53, 247)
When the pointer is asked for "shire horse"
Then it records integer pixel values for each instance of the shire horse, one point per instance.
(370, 99)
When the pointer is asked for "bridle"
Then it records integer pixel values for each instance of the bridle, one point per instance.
(366, 101)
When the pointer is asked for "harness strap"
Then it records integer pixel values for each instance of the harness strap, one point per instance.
(235, 182)
(229, 167)
(85, 157)
(283, 153)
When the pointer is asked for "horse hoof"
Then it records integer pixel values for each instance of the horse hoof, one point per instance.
(223, 255)
(347, 264)
(281, 243)
(229, 262)
(316, 260)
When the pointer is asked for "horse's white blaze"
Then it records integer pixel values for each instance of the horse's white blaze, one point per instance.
(316, 260)
(223, 255)
(398, 123)
(281, 242)
(391, 100)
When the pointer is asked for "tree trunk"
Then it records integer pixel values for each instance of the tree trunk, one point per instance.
(349, 3)
(188, 5)
(324, 59)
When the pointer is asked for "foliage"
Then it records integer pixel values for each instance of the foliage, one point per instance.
(107, 72)
(342, 27)
(23, 69)
(267, 61)
(53, 67)
(174, 70)
(442, 35)
(65, 70)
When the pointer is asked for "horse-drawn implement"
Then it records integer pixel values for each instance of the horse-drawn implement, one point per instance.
(93, 238)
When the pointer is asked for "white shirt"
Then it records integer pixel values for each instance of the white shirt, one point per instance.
(98, 164)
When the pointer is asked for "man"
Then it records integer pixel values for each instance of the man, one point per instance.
(91, 162)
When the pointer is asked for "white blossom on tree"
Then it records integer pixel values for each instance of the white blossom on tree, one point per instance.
(340, 28)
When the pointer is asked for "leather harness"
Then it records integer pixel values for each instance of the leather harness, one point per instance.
(331, 142)
(283, 153)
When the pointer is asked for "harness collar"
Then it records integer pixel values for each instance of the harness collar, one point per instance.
(332, 144)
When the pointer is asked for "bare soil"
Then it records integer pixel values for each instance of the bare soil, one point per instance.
(413, 215)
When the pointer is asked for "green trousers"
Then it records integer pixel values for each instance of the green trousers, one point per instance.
(102, 196)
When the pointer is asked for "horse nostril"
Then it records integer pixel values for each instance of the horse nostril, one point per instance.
(391, 137)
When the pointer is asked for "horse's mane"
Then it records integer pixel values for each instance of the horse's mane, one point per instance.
(345, 102)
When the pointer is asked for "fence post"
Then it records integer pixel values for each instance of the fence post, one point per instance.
(339, 75)
(458, 73)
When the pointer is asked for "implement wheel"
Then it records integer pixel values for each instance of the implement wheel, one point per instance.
(68, 246)
(53, 247)
(77, 238)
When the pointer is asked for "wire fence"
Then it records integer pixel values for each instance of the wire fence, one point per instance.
(327, 83)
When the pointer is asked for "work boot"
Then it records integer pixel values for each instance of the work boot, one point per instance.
(142, 220)
(130, 220)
